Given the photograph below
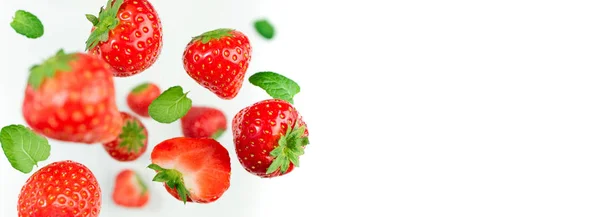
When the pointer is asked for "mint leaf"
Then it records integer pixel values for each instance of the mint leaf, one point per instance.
(264, 28)
(23, 148)
(276, 85)
(27, 24)
(170, 105)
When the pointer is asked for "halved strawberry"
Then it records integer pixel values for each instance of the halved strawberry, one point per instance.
(195, 169)
(130, 190)
(132, 141)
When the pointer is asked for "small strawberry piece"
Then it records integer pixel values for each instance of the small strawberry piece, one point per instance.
(71, 97)
(269, 137)
(127, 34)
(218, 61)
(131, 143)
(196, 169)
(61, 189)
(141, 97)
(130, 190)
(202, 121)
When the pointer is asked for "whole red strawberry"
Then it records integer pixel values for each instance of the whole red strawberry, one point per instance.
(130, 190)
(197, 170)
(61, 189)
(218, 61)
(269, 137)
(141, 97)
(203, 121)
(71, 97)
(127, 34)
(131, 143)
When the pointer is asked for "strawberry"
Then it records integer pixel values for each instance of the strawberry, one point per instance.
(130, 190)
(131, 143)
(269, 137)
(61, 189)
(71, 97)
(202, 121)
(193, 169)
(218, 61)
(127, 34)
(140, 97)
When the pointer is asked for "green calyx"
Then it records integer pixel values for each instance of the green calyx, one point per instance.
(173, 179)
(290, 147)
(105, 22)
(141, 183)
(214, 34)
(217, 134)
(132, 137)
(140, 88)
(48, 68)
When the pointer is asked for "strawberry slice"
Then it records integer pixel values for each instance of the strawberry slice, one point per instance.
(130, 190)
(192, 169)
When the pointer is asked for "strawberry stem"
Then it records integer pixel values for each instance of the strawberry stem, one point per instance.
(214, 34)
(60, 61)
(107, 20)
(132, 136)
(140, 88)
(217, 134)
(290, 148)
(141, 183)
(173, 179)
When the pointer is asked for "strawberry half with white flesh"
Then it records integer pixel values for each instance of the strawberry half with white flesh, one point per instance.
(192, 169)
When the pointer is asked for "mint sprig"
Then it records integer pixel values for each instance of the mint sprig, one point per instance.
(27, 24)
(170, 106)
(23, 148)
(276, 85)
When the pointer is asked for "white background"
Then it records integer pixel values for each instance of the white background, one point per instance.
(415, 108)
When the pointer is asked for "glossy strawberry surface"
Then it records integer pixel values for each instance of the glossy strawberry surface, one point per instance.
(218, 61)
(61, 189)
(257, 130)
(136, 42)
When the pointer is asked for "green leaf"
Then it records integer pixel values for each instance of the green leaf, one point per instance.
(264, 28)
(290, 148)
(27, 24)
(213, 34)
(93, 19)
(276, 85)
(58, 62)
(218, 134)
(140, 88)
(277, 163)
(107, 20)
(132, 136)
(170, 106)
(141, 183)
(23, 148)
(173, 179)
